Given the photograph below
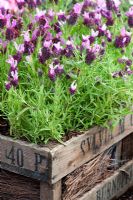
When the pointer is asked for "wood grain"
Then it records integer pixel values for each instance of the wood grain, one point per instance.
(50, 192)
(16, 187)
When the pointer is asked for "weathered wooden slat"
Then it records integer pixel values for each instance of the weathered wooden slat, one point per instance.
(24, 159)
(16, 187)
(79, 150)
(114, 186)
(118, 155)
(50, 192)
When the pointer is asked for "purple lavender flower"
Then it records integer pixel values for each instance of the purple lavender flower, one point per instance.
(72, 18)
(102, 51)
(48, 36)
(52, 73)
(110, 21)
(117, 4)
(86, 4)
(38, 2)
(102, 30)
(8, 85)
(3, 45)
(125, 60)
(28, 47)
(17, 24)
(57, 48)
(50, 14)
(28, 44)
(14, 78)
(45, 52)
(130, 17)
(35, 35)
(73, 88)
(110, 4)
(3, 20)
(20, 51)
(85, 42)
(129, 62)
(20, 4)
(77, 8)
(75, 13)
(59, 69)
(103, 43)
(13, 63)
(57, 27)
(31, 3)
(123, 40)
(92, 53)
(101, 4)
(19, 48)
(128, 70)
(113, 5)
(13, 73)
(30, 26)
(121, 73)
(61, 16)
(115, 74)
(97, 18)
(69, 50)
(56, 62)
(41, 18)
(121, 60)
(94, 34)
(88, 21)
(90, 56)
(11, 33)
(109, 17)
(108, 35)
(47, 43)
(17, 57)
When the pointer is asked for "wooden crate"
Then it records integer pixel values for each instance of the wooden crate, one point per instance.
(47, 165)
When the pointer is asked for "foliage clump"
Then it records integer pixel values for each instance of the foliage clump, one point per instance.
(65, 66)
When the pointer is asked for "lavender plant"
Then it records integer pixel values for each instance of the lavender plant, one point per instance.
(64, 70)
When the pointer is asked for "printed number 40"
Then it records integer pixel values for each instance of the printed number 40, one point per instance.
(15, 156)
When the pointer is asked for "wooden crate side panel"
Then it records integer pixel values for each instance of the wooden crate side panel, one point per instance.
(24, 159)
(50, 192)
(114, 186)
(77, 151)
(16, 187)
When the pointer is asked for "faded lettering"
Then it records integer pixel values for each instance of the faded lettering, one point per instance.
(111, 188)
(40, 163)
(15, 156)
